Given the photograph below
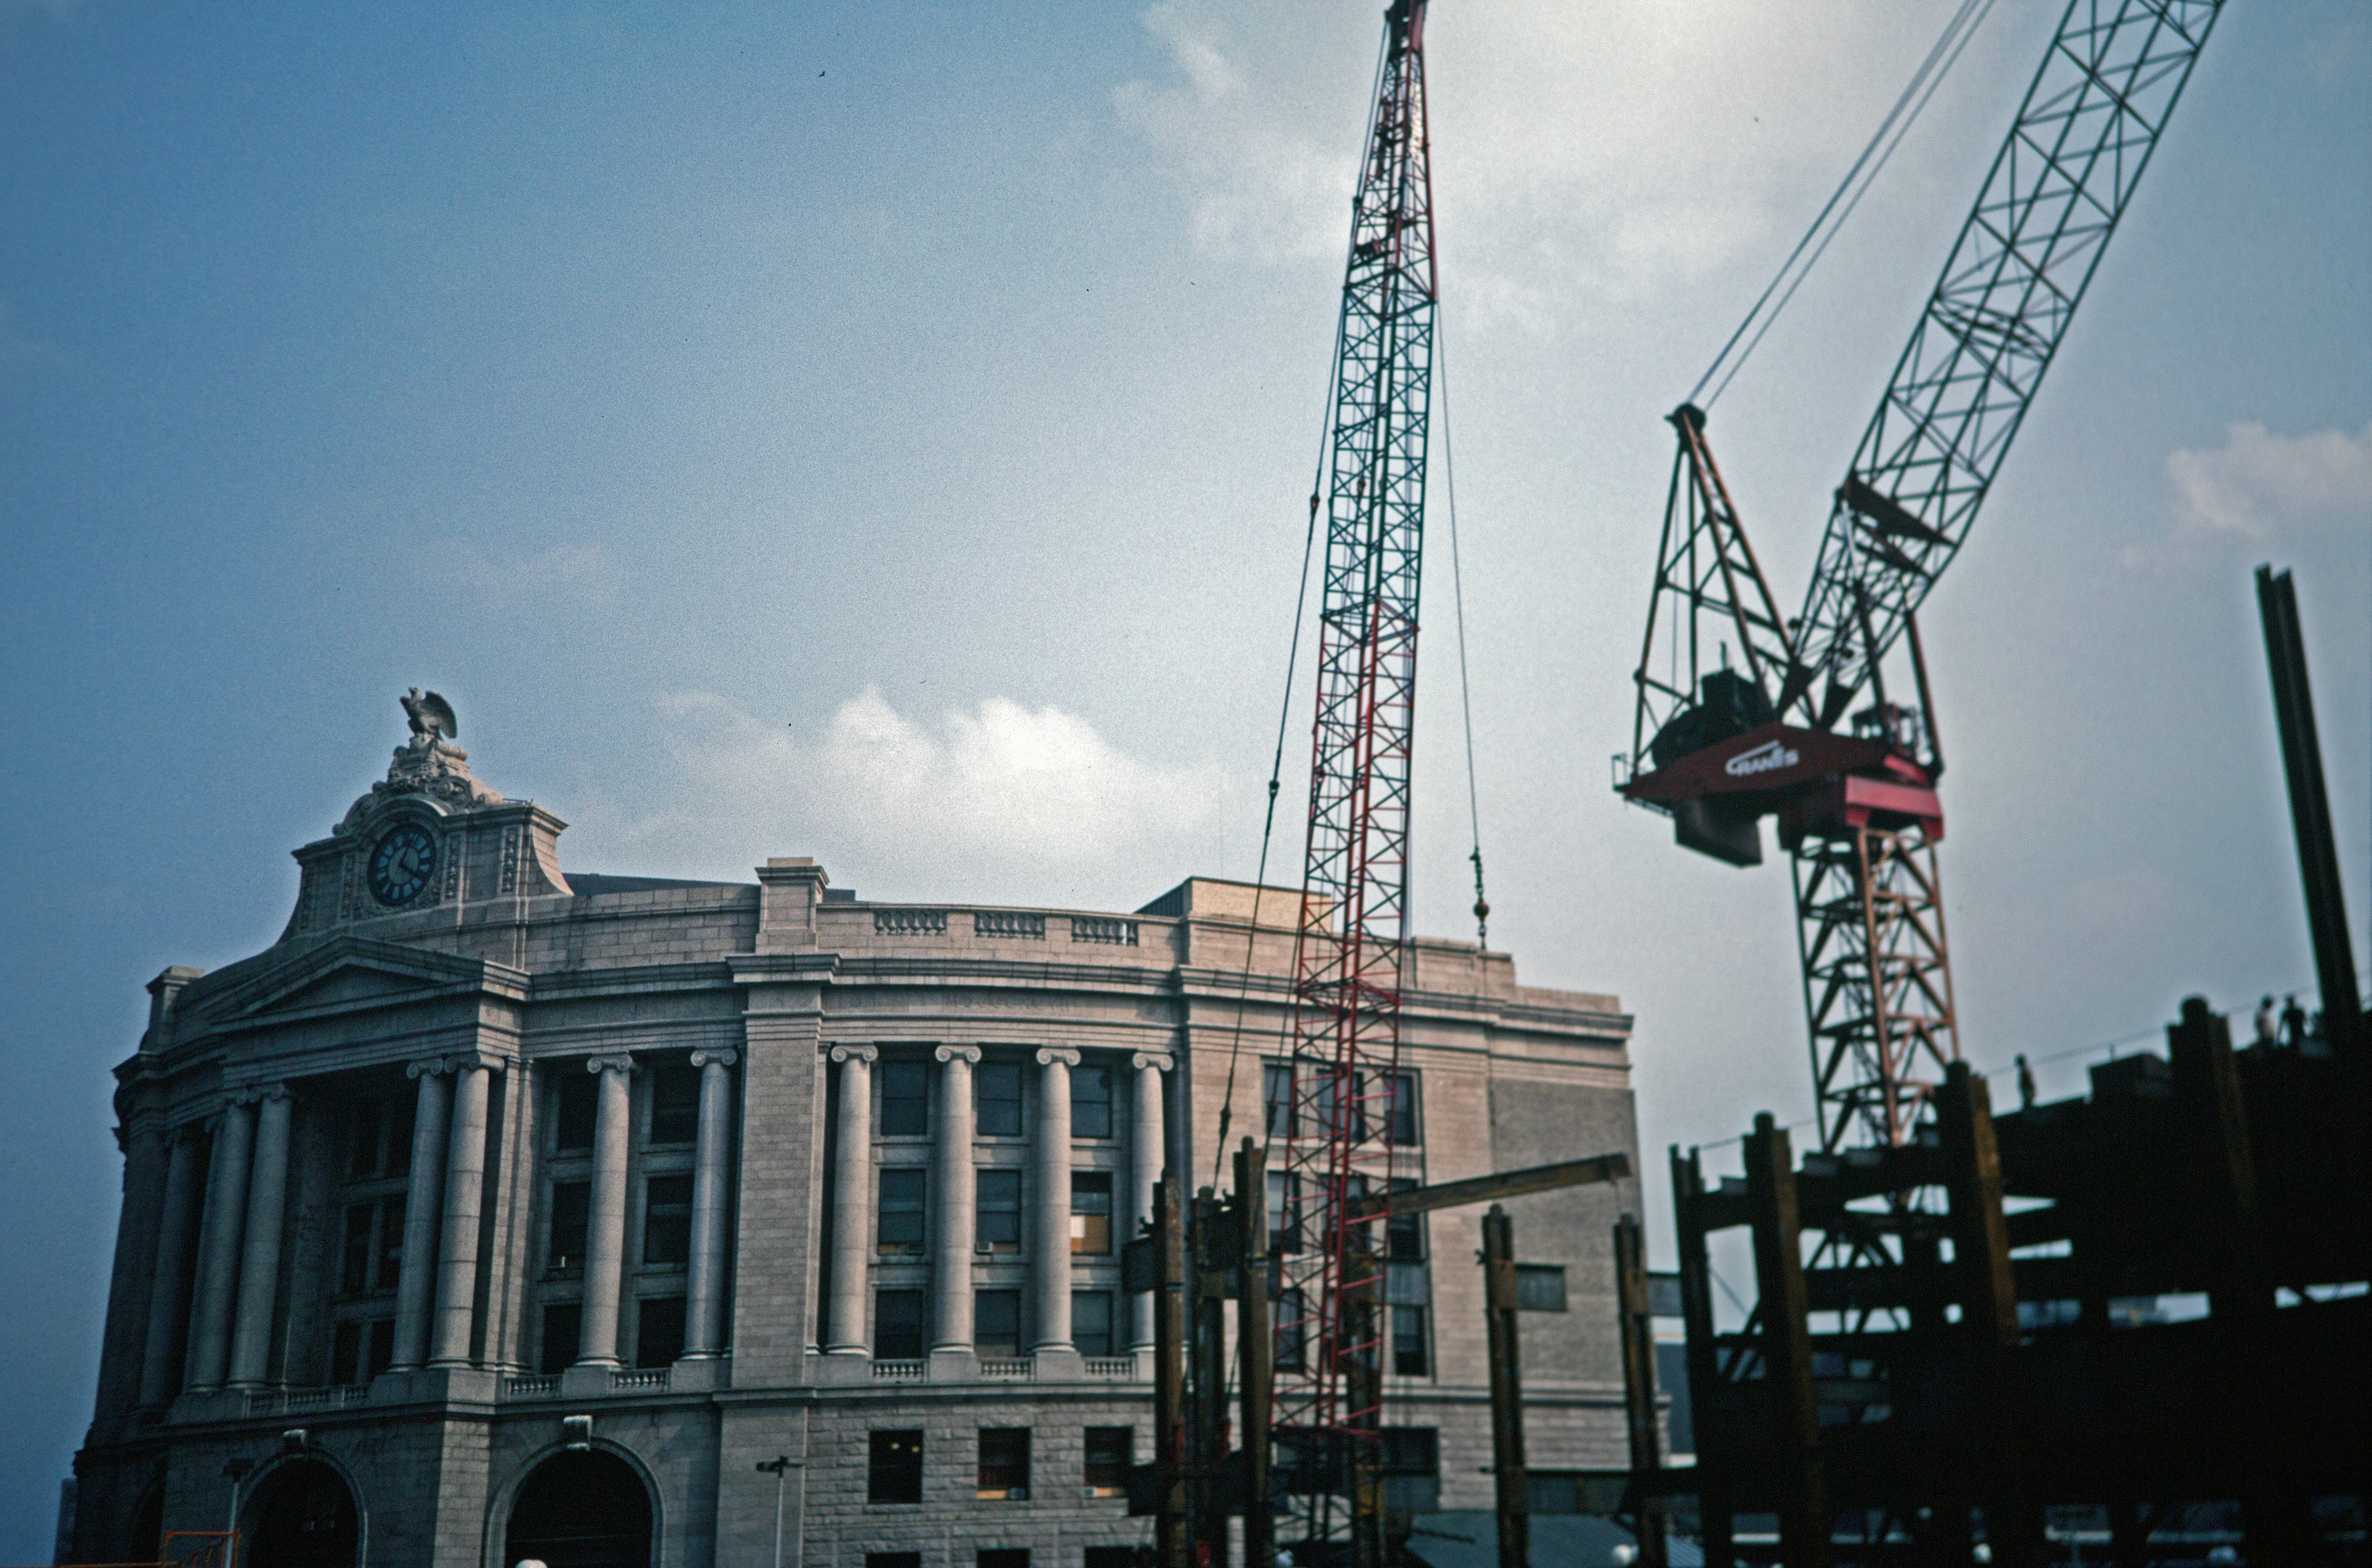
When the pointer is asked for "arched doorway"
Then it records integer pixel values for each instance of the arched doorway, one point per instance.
(303, 1516)
(585, 1509)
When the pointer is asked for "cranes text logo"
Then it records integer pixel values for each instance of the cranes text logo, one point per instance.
(1767, 758)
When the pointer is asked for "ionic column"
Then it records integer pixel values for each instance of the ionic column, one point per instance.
(851, 1206)
(423, 1202)
(1050, 1253)
(605, 1245)
(168, 1302)
(259, 1264)
(703, 1329)
(465, 1189)
(218, 1261)
(957, 1205)
(1147, 1146)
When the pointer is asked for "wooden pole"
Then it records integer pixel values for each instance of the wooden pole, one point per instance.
(1639, 1326)
(1170, 1528)
(1803, 1524)
(1256, 1336)
(1715, 1451)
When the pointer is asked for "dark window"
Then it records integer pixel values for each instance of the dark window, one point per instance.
(1408, 1359)
(893, 1560)
(1091, 1210)
(1092, 1102)
(562, 1324)
(658, 1331)
(1277, 1080)
(579, 1097)
(1092, 1322)
(1004, 1461)
(666, 1221)
(571, 1208)
(1334, 1109)
(1001, 1557)
(905, 1099)
(354, 1271)
(1284, 1212)
(901, 1211)
(1401, 1116)
(1110, 1557)
(893, 1470)
(1540, 1287)
(1111, 1450)
(382, 1345)
(996, 1322)
(997, 1211)
(346, 1353)
(1404, 1233)
(397, 1158)
(365, 1134)
(675, 1103)
(1553, 1492)
(1292, 1329)
(1412, 1468)
(898, 1325)
(997, 1099)
(372, 1255)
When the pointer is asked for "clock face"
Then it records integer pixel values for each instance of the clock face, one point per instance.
(401, 865)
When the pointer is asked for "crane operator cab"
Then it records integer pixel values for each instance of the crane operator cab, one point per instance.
(1723, 763)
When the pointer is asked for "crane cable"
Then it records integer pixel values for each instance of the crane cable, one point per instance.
(1458, 595)
(1946, 52)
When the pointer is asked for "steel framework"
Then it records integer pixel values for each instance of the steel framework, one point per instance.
(1877, 971)
(1337, 1137)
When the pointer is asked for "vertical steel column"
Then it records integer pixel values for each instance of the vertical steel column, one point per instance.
(1804, 1525)
(1509, 1482)
(1715, 1450)
(1171, 1532)
(1638, 1328)
(1256, 1336)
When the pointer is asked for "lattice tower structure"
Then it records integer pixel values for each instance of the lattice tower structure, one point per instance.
(1858, 810)
(1352, 934)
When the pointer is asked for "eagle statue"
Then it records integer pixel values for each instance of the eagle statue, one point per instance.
(430, 715)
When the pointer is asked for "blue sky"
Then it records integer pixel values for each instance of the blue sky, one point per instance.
(880, 433)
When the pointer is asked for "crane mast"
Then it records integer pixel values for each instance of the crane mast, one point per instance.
(1719, 749)
(1335, 1127)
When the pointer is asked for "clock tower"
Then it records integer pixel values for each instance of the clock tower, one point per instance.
(427, 837)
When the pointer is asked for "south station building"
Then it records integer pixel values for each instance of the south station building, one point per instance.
(501, 1211)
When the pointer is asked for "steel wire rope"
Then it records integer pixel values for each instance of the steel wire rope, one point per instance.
(1958, 30)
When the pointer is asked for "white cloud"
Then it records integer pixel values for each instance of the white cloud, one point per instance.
(1582, 154)
(1001, 802)
(2256, 477)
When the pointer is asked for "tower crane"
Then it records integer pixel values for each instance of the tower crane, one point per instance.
(1336, 1136)
(1719, 748)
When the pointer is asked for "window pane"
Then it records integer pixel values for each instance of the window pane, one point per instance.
(658, 1331)
(346, 1353)
(1412, 1468)
(997, 1099)
(1409, 1358)
(898, 1325)
(1284, 1212)
(1002, 1557)
(363, 1135)
(996, 1322)
(1540, 1287)
(561, 1323)
(1404, 1233)
(1004, 1461)
(1292, 1329)
(396, 1158)
(390, 1244)
(893, 1470)
(666, 1221)
(893, 1560)
(1092, 1102)
(579, 1094)
(571, 1206)
(1092, 1322)
(902, 1212)
(905, 1099)
(382, 1346)
(997, 1207)
(1111, 1450)
(675, 1103)
(354, 1270)
(1277, 1081)
(1091, 1205)
(1403, 1122)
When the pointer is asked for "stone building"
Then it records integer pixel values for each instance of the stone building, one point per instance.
(498, 1211)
